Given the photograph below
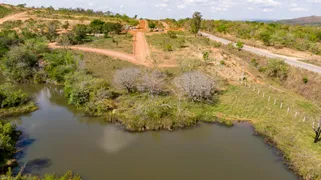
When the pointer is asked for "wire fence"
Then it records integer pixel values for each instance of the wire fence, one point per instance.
(278, 103)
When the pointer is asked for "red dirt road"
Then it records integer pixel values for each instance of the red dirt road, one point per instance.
(116, 54)
(13, 17)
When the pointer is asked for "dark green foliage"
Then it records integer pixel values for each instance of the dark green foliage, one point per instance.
(110, 27)
(303, 38)
(97, 25)
(151, 24)
(10, 97)
(60, 63)
(8, 38)
(277, 69)
(19, 64)
(91, 94)
(305, 80)
(8, 139)
(239, 45)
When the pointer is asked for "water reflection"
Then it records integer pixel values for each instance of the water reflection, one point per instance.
(114, 140)
(59, 138)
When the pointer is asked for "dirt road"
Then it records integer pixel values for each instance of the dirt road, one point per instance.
(141, 48)
(116, 54)
(293, 61)
(13, 17)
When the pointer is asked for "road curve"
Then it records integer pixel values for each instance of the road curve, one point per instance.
(293, 61)
(116, 54)
(12, 17)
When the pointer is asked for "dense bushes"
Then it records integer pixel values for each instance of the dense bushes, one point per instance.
(8, 38)
(304, 38)
(59, 63)
(20, 64)
(89, 93)
(8, 139)
(10, 97)
(277, 69)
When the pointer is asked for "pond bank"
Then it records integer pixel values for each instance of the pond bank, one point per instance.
(58, 138)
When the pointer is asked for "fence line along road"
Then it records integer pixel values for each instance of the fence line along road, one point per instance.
(293, 61)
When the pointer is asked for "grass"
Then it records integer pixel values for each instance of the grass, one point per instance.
(122, 42)
(16, 111)
(290, 134)
(185, 48)
(103, 66)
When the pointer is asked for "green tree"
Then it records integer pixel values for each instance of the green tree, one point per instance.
(19, 64)
(97, 25)
(196, 22)
(66, 25)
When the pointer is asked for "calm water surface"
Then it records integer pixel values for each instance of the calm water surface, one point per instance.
(57, 139)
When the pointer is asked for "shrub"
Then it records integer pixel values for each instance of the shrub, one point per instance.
(254, 62)
(172, 34)
(127, 78)
(277, 69)
(168, 47)
(19, 64)
(8, 139)
(305, 80)
(153, 82)
(10, 97)
(239, 45)
(197, 86)
(88, 93)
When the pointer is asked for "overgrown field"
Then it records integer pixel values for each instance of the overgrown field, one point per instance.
(122, 42)
(103, 66)
(303, 38)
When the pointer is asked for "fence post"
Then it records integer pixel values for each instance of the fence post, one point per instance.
(258, 91)
(269, 98)
(274, 101)
(263, 94)
(288, 110)
(304, 119)
(281, 105)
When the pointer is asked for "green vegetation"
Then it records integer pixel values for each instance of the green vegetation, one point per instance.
(121, 42)
(93, 95)
(303, 38)
(7, 10)
(14, 102)
(196, 22)
(68, 176)
(8, 139)
(103, 66)
(83, 14)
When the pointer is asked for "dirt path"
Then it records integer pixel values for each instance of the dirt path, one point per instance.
(116, 54)
(141, 48)
(13, 17)
(293, 61)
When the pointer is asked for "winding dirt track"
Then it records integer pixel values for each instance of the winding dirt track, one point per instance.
(13, 17)
(116, 54)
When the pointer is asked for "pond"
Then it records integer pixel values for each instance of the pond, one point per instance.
(57, 138)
